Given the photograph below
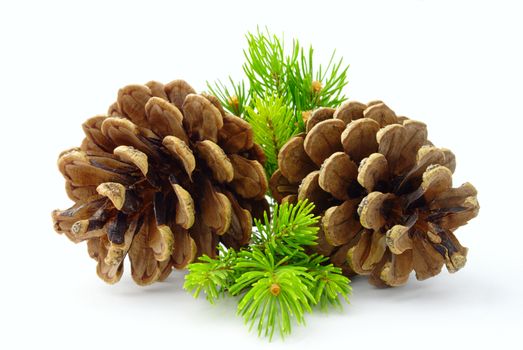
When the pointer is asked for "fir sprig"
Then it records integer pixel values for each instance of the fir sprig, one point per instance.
(276, 280)
(282, 86)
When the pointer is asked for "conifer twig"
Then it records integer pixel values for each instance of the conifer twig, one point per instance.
(276, 280)
(281, 87)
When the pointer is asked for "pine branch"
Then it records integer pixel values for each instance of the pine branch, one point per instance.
(277, 78)
(276, 280)
(293, 77)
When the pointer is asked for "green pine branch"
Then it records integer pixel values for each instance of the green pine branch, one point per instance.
(281, 84)
(276, 281)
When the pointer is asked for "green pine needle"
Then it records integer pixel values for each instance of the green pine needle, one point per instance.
(276, 281)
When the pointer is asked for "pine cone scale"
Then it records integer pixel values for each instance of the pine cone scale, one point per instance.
(359, 138)
(323, 140)
(373, 172)
(202, 119)
(339, 223)
(177, 91)
(92, 128)
(164, 118)
(350, 110)
(293, 162)
(337, 174)
(131, 101)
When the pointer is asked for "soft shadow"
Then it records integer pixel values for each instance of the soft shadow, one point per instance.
(441, 289)
(172, 286)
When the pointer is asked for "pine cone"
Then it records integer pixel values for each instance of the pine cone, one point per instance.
(384, 192)
(163, 178)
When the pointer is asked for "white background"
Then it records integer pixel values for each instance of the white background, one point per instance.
(457, 66)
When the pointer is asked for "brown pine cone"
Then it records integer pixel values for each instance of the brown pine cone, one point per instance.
(384, 192)
(163, 178)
